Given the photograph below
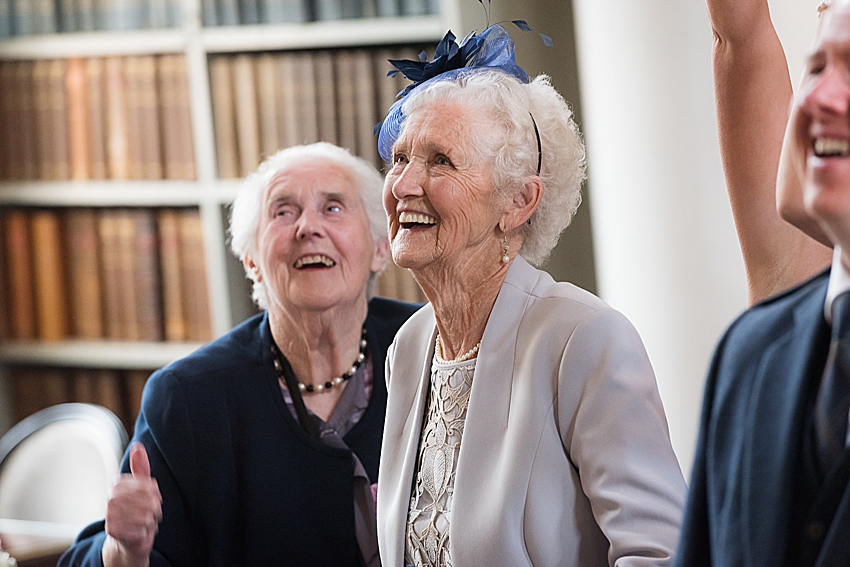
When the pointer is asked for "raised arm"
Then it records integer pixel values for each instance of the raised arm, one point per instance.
(753, 94)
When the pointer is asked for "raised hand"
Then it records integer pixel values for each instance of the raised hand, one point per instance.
(133, 514)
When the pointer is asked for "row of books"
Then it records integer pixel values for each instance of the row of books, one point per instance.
(35, 388)
(97, 118)
(35, 17)
(116, 274)
(31, 17)
(247, 12)
(262, 102)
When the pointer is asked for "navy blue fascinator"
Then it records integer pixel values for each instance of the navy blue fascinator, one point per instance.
(492, 49)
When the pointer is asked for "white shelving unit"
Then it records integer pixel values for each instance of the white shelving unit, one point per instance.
(208, 193)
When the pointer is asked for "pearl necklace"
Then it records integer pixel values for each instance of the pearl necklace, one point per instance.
(471, 353)
(310, 388)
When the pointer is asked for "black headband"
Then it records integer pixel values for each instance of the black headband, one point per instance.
(539, 150)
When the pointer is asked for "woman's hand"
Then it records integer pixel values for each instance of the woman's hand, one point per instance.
(133, 514)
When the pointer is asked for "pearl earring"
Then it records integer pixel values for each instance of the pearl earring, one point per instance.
(506, 258)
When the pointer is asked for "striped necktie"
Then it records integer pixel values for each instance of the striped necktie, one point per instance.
(833, 401)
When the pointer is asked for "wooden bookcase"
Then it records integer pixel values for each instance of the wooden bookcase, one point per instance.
(229, 300)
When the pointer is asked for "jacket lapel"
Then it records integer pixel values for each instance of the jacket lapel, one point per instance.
(772, 450)
(400, 453)
(488, 411)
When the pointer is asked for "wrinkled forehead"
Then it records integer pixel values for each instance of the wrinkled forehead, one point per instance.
(311, 177)
(444, 124)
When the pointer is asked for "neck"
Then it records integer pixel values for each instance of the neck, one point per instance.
(462, 302)
(319, 345)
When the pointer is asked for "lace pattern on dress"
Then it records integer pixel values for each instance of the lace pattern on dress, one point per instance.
(429, 515)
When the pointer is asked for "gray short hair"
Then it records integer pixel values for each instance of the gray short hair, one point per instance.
(511, 145)
(246, 209)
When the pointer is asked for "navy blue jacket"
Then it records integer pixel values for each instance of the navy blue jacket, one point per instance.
(741, 506)
(241, 482)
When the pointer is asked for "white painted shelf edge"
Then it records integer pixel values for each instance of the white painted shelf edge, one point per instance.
(95, 354)
(229, 39)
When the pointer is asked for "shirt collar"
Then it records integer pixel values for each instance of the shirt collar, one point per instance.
(839, 282)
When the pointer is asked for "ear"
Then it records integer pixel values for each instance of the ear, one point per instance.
(382, 254)
(252, 268)
(523, 204)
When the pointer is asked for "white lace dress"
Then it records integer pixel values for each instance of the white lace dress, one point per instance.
(429, 516)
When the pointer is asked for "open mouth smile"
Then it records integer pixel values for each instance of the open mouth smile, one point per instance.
(831, 147)
(314, 261)
(412, 220)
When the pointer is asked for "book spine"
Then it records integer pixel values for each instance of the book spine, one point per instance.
(110, 257)
(132, 73)
(249, 12)
(149, 132)
(283, 11)
(267, 102)
(325, 93)
(388, 8)
(23, 17)
(413, 7)
(118, 147)
(147, 278)
(228, 13)
(45, 20)
(328, 9)
(366, 109)
(127, 284)
(247, 122)
(51, 290)
(352, 9)
(6, 14)
(67, 15)
(5, 299)
(97, 119)
(308, 100)
(288, 93)
(184, 119)
(86, 15)
(193, 261)
(21, 283)
(28, 138)
(83, 253)
(78, 119)
(58, 116)
(209, 14)
(43, 119)
(223, 118)
(345, 102)
(173, 301)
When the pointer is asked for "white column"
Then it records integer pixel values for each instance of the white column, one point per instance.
(666, 250)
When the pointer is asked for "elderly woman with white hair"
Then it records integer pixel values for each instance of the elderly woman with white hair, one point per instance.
(524, 425)
(262, 447)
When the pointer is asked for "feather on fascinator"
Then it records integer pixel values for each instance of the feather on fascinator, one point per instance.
(492, 49)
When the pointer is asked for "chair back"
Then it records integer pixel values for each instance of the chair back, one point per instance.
(59, 464)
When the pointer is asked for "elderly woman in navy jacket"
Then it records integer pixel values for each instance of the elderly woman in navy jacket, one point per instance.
(262, 447)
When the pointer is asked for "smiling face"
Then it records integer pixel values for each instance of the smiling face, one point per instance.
(439, 196)
(315, 249)
(822, 125)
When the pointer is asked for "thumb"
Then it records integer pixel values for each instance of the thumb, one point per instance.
(139, 464)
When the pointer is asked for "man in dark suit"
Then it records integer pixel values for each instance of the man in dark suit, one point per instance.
(770, 479)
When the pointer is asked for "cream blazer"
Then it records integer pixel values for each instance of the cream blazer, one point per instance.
(565, 458)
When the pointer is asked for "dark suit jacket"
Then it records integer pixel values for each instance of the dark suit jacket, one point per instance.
(741, 502)
(241, 482)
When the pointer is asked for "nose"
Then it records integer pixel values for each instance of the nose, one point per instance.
(408, 183)
(309, 225)
(830, 94)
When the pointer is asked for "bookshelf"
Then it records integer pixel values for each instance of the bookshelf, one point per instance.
(206, 191)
